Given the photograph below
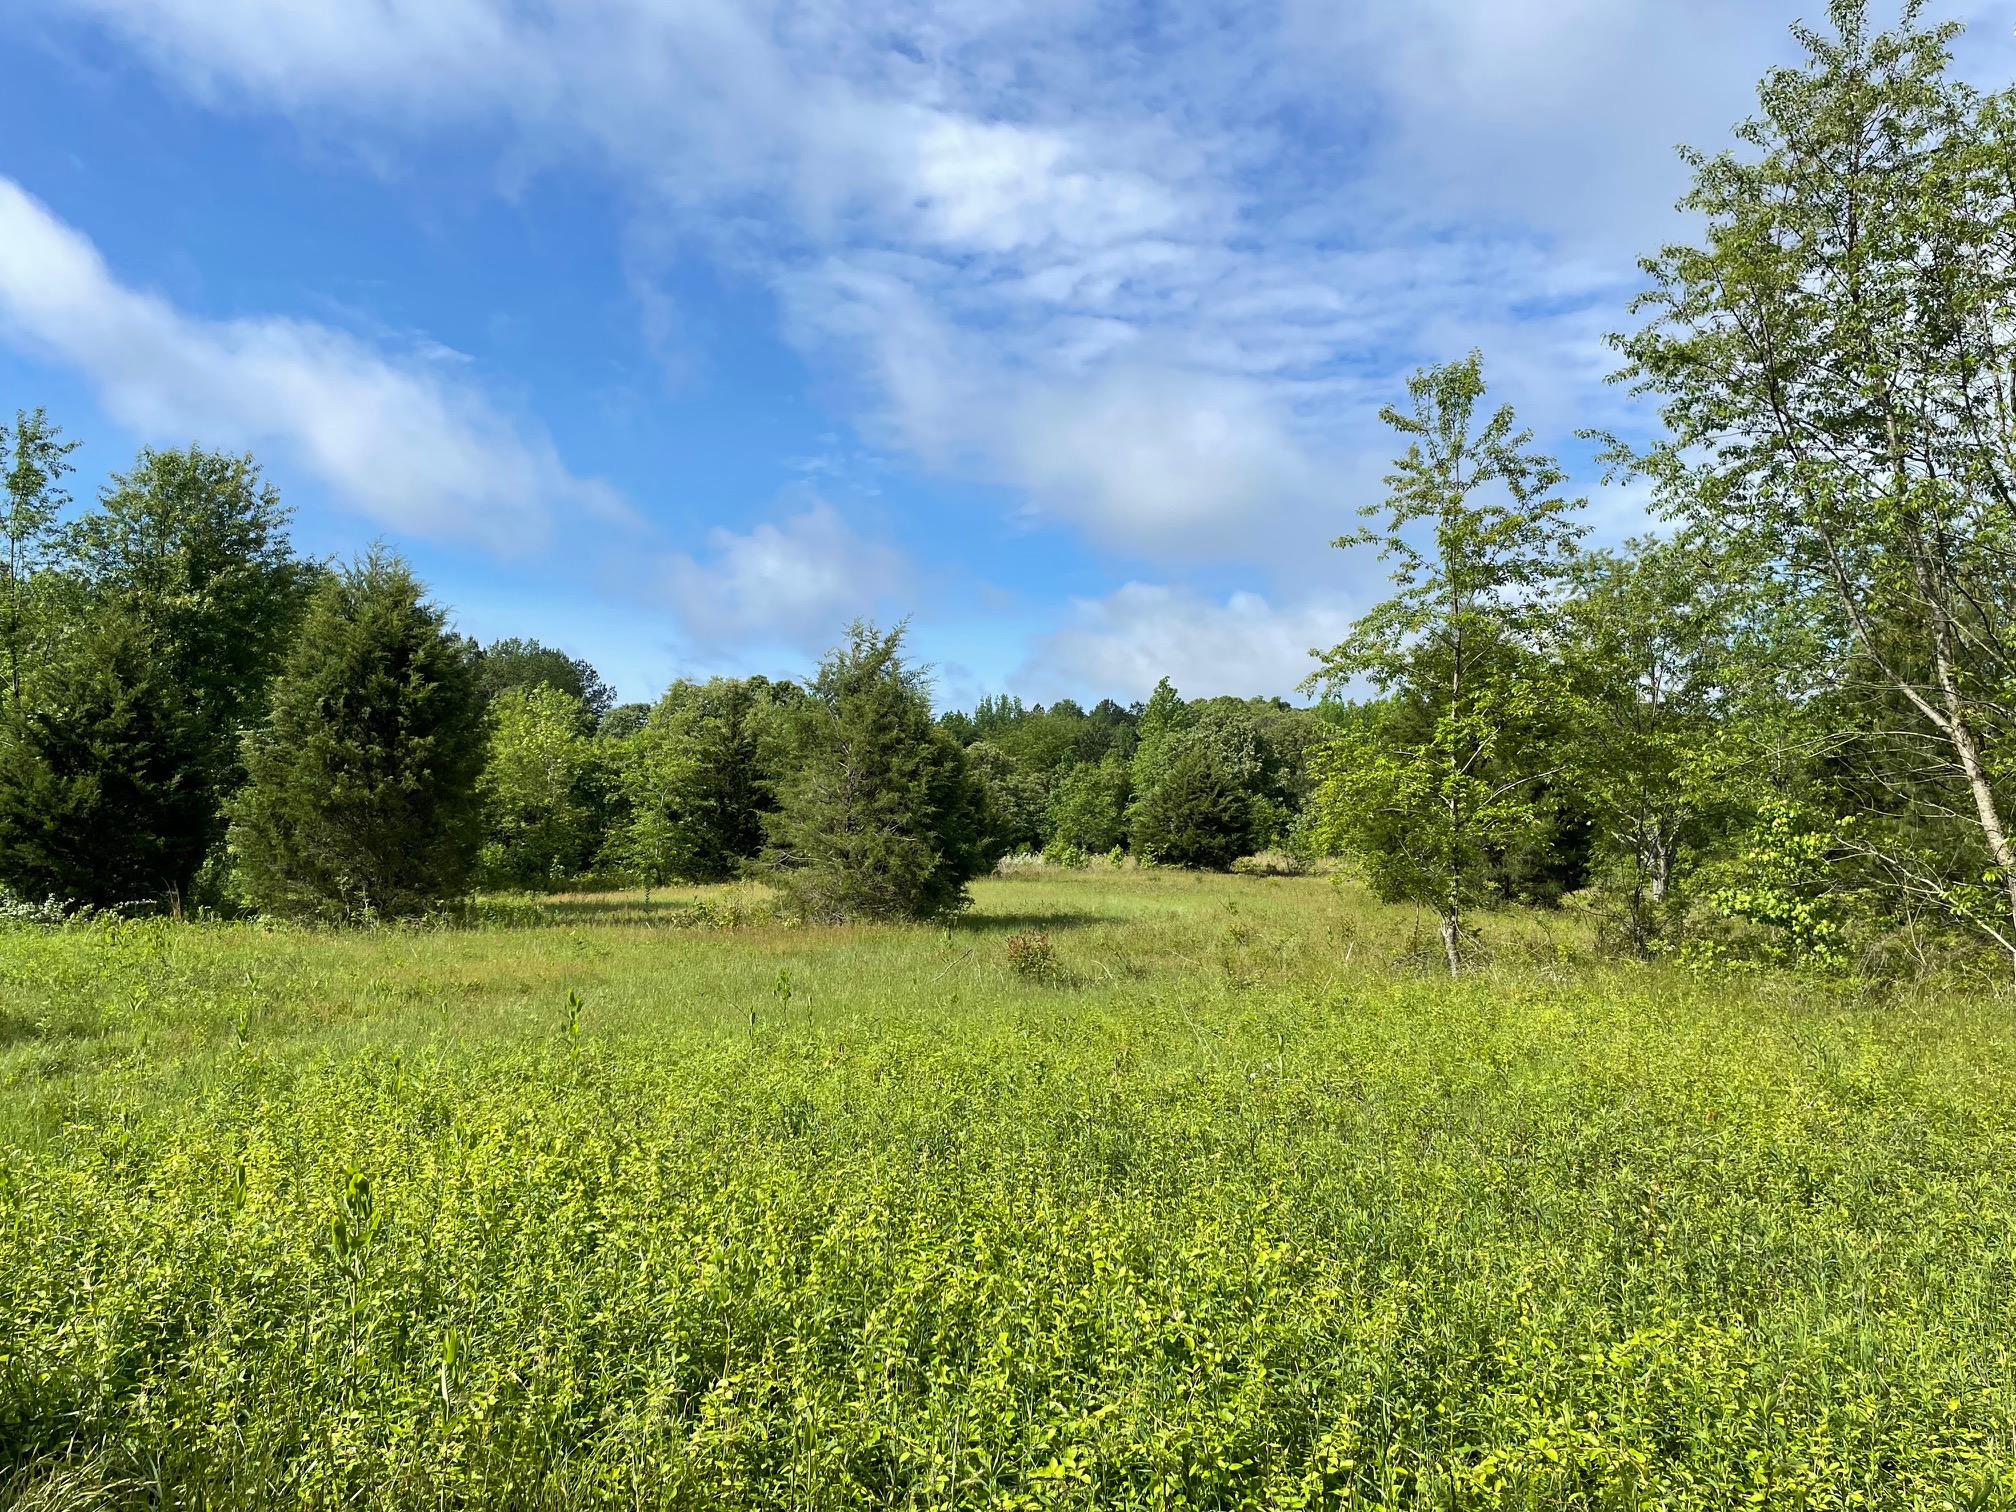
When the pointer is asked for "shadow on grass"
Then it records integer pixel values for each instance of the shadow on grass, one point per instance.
(1060, 919)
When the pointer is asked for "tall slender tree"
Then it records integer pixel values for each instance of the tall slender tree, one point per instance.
(35, 459)
(1424, 795)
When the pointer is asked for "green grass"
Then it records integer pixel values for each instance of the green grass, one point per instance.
(1240, 1213)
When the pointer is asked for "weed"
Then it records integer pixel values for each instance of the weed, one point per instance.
(1032, 958)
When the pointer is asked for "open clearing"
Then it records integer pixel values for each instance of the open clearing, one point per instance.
(1235, 1212)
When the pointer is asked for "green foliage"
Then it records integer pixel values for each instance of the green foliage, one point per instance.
(362, 799)
(1425, 797)
(1832, 364)
(697, 780)
(1654, 646)
(878, 814)
(193, 544)
(544, 789)
(35, 461)
(101, 803)
(1016, 800)
(1199, 812)
(518, 663)
(1299, 1233)
(1781, 882)
(1088, 807)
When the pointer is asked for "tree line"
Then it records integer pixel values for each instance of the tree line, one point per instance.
(198, 717)
(1778, 728)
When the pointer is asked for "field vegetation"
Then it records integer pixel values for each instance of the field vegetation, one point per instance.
(1565, 1060)
(1237, 1201)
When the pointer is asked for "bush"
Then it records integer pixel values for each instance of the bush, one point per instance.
(1032, 958)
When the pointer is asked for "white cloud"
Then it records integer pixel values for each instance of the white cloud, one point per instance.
(1122, 644)
(1154, 269)
(794, 584)
(405, 443)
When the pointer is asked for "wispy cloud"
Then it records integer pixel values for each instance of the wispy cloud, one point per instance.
(405, 442)
(1151, 269)
(792, 584)
(1123, 643)
(1152, 273)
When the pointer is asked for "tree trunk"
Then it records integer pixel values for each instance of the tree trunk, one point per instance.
(1452, 935)
(1662, 868)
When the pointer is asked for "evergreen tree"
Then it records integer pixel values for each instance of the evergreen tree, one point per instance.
(1199, 812)
(878, 814)
(696, 778)
(101, 798)
(362, 799)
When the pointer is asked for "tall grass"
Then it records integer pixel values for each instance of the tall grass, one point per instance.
(1224, 1210)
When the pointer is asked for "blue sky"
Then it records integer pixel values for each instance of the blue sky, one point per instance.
(679, 332)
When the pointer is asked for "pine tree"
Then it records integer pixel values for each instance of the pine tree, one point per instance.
(697, 781)
(880, 816)
(362, 800)
(1199, 812)
(101, 801)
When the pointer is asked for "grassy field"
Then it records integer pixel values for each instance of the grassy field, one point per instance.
(1240, 1208)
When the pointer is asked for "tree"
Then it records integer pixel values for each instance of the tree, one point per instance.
(1199, 812)
(35, 462)
(542, 788)
(362, 800)
(697, 780)
(1836, 366)
(1088, 807)
(878, 815)
(101, 799)
(516, 662)
(1651, 642)
(1016, 799)
(1426, 794)
(193, 547)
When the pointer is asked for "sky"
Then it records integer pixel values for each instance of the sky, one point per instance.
(680, 333)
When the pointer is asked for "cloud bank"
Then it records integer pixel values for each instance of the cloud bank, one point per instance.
(1151, 270)
(791, 584)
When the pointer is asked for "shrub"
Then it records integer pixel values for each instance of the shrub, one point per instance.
(1032, 958)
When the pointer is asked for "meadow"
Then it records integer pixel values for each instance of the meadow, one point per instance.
(1226, 1201)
